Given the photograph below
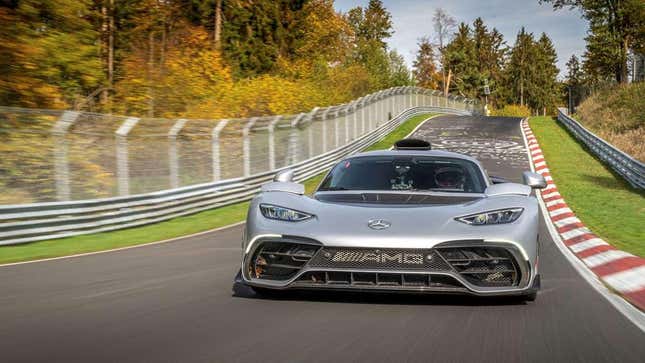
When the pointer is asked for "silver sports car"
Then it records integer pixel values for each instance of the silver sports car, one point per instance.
(408, 219)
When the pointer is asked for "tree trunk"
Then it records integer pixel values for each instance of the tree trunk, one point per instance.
(110, 63)
(218, 25)
(521, 91)
(104, 48)
(623, 71)
(151, 53)
(447, 85)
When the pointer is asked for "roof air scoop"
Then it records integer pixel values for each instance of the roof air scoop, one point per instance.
(412, 144)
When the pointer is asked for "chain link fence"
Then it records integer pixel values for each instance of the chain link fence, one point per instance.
(50, 155)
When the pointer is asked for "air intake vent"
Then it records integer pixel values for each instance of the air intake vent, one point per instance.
(280, 260)
(483, 266)
(412, 144)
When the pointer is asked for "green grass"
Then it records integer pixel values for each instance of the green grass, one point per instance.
(603, 201)
(177, 227)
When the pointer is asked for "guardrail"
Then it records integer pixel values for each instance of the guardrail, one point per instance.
(625, 165)
(39, 221)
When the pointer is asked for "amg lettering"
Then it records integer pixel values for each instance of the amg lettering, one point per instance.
(398, 257)
(385, 257)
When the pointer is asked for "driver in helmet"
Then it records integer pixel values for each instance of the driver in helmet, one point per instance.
(449, 177)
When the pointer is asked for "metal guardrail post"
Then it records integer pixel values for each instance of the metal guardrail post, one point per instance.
(215, 149)
(271, 128)
(355, 118)
(122, 157)
(308, 117)
(381, 106)
(363, 118)
(372, 111)
(336, 128)
(173, 158)
(392, 103)
(346, 111)
(324, 129)
(246, 145)
(61, 160)
(292, 147)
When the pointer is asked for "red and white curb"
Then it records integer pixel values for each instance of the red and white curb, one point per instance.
(621, 271)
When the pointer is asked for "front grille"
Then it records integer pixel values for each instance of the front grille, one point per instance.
(379, 259)
(280, 260)
(340, 279)
(483, 266)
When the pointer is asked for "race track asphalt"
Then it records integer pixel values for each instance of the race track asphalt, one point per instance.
(173, 302)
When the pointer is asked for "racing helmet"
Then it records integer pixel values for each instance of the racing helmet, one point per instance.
(449, 177)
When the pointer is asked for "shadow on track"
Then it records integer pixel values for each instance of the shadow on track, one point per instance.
(394, 298)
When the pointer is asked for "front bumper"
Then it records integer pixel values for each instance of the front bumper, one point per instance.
(462, 267)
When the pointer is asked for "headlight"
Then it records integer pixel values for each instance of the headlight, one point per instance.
(283, 214)
(493, 217)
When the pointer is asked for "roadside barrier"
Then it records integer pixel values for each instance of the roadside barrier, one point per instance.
(625, 165)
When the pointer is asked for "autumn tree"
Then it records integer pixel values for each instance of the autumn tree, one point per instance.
(425, 70)
(48, 53)
(444, 26)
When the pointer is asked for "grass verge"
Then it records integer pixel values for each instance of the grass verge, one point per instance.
(177, 227)
(603, 201)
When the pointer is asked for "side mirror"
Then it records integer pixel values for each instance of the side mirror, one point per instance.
(284, 176)
(534, 180)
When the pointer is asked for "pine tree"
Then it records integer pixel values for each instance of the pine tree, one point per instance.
(545, 84)
(425, 70)
(574, 81)
(615, 27)
(399, 72)
(371, 27)
(490, 50)
(521, 68)
(461, 61)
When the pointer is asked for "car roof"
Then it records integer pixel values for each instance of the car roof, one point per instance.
(436, 153)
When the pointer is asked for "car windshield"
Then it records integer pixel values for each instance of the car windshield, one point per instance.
(405, 173)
